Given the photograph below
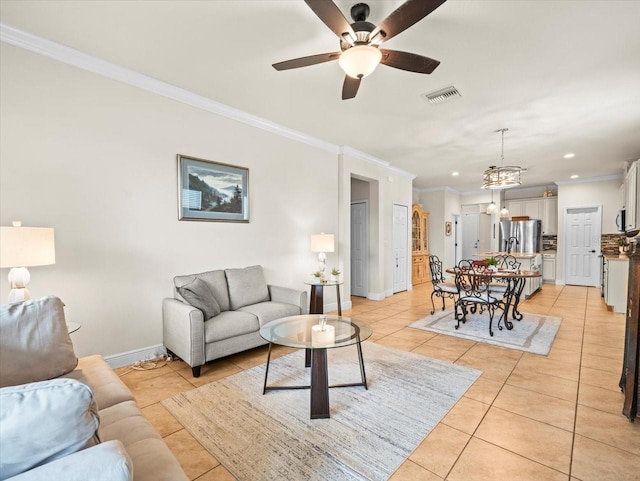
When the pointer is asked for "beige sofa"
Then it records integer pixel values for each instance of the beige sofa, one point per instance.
(217, 313)
(64, 418)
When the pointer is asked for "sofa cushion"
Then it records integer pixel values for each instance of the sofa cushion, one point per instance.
(215, 280)
(229, 324)
(111, 457)
(198, 294)
(268, 311)
(43, 421)
(246, 286)
(107, 387)
(34, 342)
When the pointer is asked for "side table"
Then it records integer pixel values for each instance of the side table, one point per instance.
(316, 305)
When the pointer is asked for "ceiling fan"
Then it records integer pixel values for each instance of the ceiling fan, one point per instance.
(360, 51)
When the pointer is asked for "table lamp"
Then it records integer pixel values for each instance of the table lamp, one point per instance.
(22, 247)
(322, 243)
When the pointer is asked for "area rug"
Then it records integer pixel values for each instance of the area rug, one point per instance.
(370, 432)
(534, 333)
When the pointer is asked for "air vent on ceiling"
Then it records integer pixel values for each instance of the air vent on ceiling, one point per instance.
(442, 95)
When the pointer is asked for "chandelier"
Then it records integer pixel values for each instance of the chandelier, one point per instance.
(502, 177)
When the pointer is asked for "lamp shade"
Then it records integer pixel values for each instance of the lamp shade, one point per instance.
(360, 61)
(26, 246)
(322, 243)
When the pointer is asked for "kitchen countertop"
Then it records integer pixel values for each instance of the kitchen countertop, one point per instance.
(517, 255)
(616, 257)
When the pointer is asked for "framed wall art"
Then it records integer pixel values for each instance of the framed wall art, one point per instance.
(212, 191)
(447, 228)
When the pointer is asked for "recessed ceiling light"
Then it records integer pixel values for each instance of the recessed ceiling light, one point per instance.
(574, 176)
(455, 173)
(570, 155)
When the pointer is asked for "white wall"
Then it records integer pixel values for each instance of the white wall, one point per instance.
(584, 194)
(96, 160)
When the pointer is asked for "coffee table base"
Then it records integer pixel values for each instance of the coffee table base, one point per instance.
(319, 381)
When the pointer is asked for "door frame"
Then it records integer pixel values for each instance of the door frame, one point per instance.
(565, 242)
(456, 240)
(407, 267)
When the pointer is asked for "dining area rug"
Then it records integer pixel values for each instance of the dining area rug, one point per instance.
(370, 432)
(535, 333)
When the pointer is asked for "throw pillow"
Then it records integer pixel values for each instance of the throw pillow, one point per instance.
(43, 421)
(34, 342)
(198, 294)
(246, 286)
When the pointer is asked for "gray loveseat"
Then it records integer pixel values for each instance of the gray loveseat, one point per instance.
(218, 313)
(64, 418)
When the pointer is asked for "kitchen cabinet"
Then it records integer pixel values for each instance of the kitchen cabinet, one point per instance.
(524, 207)
(549, 267)
(543, 208)
(616, 273)
(632, 201)
(549, 210)
(533, 283)
(419, 246)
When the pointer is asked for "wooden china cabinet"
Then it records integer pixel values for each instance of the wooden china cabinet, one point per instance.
(419, 245)
(630, 379)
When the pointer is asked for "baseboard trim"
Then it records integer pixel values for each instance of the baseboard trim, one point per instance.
(130, 357)
(334, 306)
(376, 296)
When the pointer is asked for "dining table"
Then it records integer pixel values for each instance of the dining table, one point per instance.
(513, 280)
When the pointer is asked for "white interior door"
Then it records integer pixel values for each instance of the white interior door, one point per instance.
(400, 247)
(484, 233)
(582, 246)
(457, 242)
(470, 235)
(359, 249)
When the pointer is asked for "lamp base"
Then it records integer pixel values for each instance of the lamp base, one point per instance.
(18, 278)
(322, 262)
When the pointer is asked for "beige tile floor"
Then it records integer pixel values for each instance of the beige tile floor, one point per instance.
(527, 417)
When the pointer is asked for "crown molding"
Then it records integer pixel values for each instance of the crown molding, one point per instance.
(604, 178)
(76, 58)
(439, 189)
(346, 150)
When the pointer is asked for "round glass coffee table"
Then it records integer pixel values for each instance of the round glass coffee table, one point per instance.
(316, 333)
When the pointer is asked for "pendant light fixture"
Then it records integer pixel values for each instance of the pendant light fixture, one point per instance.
(502, 177)
(492, 208)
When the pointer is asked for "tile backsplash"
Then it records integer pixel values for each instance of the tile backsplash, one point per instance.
(549, 242)
(609, 243)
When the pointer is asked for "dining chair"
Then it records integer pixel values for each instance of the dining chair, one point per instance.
(474, 292)
(499, 286)
(441, 287)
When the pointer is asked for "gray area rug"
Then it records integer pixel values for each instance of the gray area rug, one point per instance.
(369, 434)
(534, 333)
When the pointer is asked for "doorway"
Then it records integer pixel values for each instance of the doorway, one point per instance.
(476, 234)
(400, 247)
(583, 229)
(359, 248)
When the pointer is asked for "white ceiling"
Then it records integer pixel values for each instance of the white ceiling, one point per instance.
(562, 76)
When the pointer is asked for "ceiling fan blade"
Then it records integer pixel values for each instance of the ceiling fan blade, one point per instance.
(306, 61)
(350, 87)
(410, 12)
(331, 15)
(408, 61)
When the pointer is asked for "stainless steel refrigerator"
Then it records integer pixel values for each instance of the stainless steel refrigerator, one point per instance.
(520, 236)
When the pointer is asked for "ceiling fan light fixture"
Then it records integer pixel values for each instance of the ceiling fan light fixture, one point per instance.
(360, 61)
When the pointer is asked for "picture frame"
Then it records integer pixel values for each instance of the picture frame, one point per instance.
(212, 191)
(447, 228)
